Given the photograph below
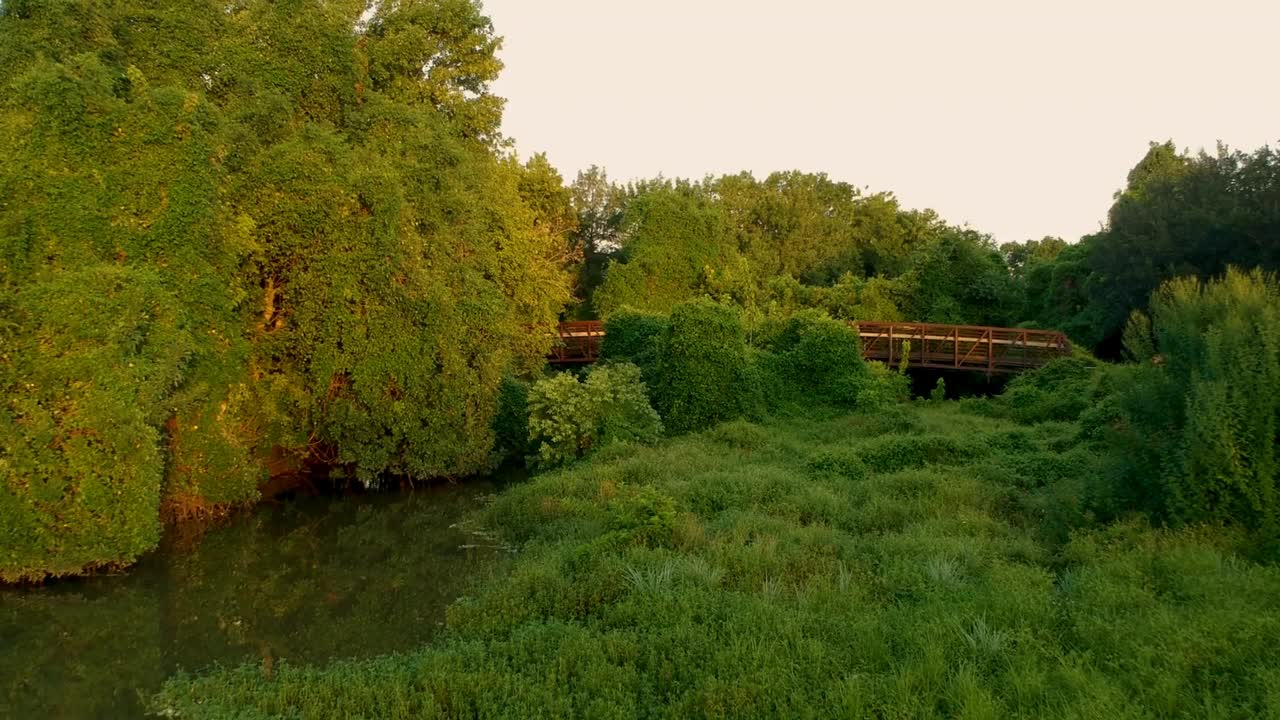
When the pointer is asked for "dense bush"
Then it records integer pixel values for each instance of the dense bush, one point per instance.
(702, 374)
(1059, 391)
(1203, 413)
(633, 336)
(568, 418)
(511, 421)
(814, 358)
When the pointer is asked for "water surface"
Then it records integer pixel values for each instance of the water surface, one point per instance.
(303, 581)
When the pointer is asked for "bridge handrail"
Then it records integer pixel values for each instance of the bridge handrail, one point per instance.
(982, 329)
(959, 347)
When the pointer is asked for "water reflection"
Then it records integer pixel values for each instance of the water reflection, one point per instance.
(304, 582)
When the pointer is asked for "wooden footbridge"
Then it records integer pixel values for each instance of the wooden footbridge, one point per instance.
(977, 348)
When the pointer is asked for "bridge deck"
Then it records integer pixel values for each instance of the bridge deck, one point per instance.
(947, 347)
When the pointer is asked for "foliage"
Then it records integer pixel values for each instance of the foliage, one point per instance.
(246, 230)
(633, 336)
(81, 462)
(1180, 214)
(817, 359)
(960, 278)
(793, 241)
(939, 392)
(569, 418)
(1024, 257)
(703, 374)
(1059, 391)
(762, 571)
(599, 205)
(1057, 296)
(850, 298)
(1207, 414)
(676, 236)
(511, 421)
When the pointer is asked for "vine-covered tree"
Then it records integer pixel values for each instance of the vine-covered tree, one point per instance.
(238, 233)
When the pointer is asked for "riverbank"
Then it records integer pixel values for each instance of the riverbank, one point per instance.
(917, 561)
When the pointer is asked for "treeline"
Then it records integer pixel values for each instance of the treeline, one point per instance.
(253, 234)
(790, 241)
(798, 240)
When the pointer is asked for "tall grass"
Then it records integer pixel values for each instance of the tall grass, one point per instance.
(880, 565)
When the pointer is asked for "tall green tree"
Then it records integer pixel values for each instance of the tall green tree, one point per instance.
(239, 233)
(600, 206)
(960, 277)
(676, 241)
(1179, 214)
(1022, 257)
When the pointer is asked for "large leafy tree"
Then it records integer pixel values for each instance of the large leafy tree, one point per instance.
(676, 242)
(238, 233)
(1180, 214)
(960, 277)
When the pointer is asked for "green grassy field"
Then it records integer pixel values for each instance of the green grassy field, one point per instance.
(922, 561)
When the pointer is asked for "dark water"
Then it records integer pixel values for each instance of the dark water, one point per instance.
(303, 581)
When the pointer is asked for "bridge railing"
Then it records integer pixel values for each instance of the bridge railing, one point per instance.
(961, 347)
(577, 342)
(948, 347)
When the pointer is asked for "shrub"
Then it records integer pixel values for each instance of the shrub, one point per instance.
(939, 392)
(778, 332)
(1061, 390)
(899, 452)
(883, 387)
(813, 358)
(645, 516)
(1206, 412)
(633, 336)
(702, 371)
(846, 464)
(568, 418)
(824, 358)
(511, 422)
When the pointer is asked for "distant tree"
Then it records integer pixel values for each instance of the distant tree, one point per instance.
(542, 189)
(1021, 257)
(676, 240)
(1180, 215)
(960, 277)
(600, 206)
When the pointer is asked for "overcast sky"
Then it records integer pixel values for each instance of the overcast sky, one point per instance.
(1018, 117)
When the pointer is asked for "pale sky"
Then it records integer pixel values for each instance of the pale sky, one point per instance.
(1018, 117)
